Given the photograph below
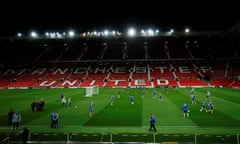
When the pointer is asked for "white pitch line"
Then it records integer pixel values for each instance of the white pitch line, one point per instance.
(226, 101)
(177, 126)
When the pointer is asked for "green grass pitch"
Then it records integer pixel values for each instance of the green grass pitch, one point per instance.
(122, 116)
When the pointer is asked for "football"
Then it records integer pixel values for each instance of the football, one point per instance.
(75, 106)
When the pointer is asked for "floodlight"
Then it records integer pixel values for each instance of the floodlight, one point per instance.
(19, 34)
(34, 34)
(187, 30)
(71, 33)
(131, 32)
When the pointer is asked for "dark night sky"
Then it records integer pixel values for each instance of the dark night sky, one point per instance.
(43, 16)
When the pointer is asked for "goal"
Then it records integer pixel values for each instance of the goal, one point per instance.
(89, 91)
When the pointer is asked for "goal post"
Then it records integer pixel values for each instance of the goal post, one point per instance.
(90, 91)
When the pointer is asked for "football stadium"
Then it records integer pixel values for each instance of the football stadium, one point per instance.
(138, 86)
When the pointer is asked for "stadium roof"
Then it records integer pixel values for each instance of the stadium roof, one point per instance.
(83, 16)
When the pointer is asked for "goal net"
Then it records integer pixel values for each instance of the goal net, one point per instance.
(89, 91)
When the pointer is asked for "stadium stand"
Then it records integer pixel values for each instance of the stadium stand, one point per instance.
(184, 61)
(164, 61)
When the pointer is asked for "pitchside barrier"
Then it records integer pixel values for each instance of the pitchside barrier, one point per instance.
(6, 140)
(74, 138)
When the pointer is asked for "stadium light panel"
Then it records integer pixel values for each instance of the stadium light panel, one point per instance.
(131, 32)
(150, 32)
(187, 30)
(106, 32)
(113, 32)
(71, 33)
(19, 34)
(33, 34)
(47, 34)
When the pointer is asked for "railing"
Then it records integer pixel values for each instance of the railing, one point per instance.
(6, 140)
(114, 138)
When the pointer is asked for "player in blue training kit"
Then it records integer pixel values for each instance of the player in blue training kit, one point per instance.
(152, 123)
(143, 93)
(193, 99)
(210, 107)
(112, 100)
(90, 109)
(160, 97)
(204, 106)
(185, 110)
(131, 100)
(154, 94)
